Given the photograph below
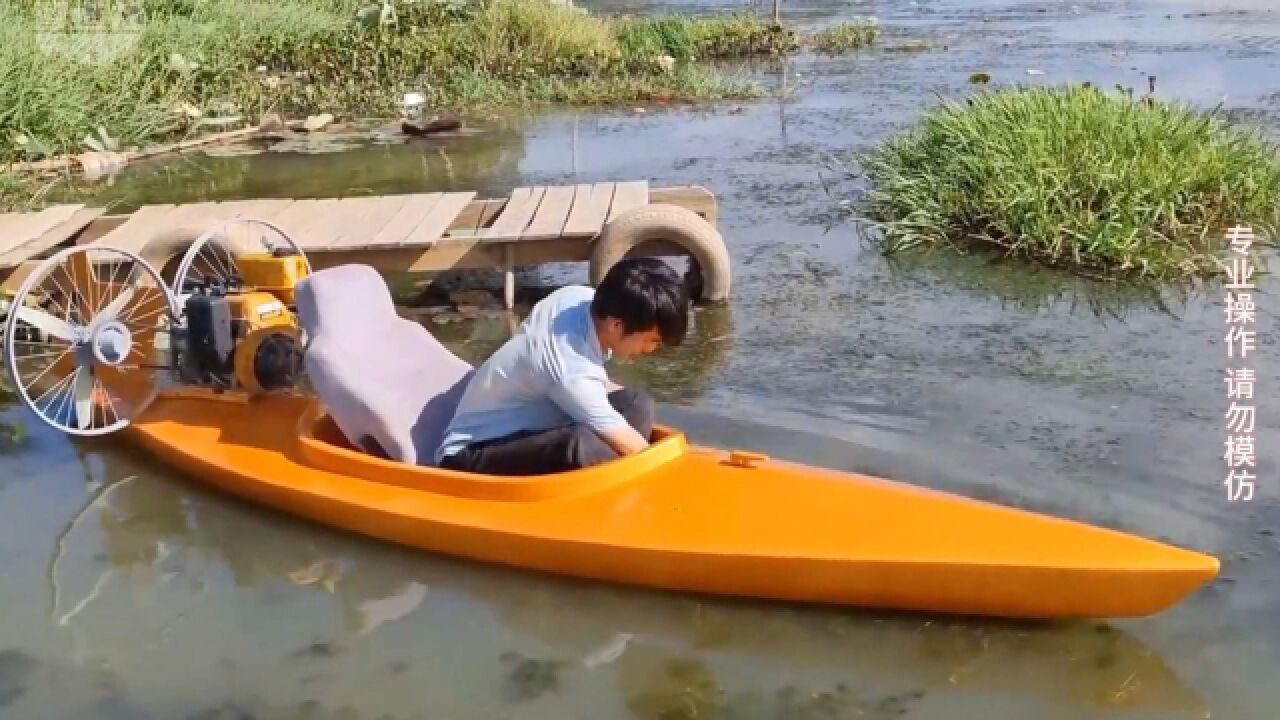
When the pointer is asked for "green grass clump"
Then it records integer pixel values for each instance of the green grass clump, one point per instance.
(845, 36)
(199, 59)
(13, 192)
(1074, 177)
(689, 38)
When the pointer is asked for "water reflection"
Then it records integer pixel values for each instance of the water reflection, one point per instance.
(365, 159)
(658, 655)
(1031, 289)
(674, 375)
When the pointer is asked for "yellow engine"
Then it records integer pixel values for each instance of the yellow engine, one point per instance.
(244, 338)
(274, 274)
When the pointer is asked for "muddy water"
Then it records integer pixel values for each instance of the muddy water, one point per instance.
(131, 592)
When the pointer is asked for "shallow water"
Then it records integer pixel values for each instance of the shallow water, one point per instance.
(131, 592)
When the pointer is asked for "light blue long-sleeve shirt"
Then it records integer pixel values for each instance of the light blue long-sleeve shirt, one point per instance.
(551, 373)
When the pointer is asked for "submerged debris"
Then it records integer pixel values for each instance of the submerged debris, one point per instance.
(324, 573)
(530, 678)
(16, 668)
(316, 123)
(11, 435)
(418, 128)
(678, 688)
(228, 711)
(319, 649)
(374, 613)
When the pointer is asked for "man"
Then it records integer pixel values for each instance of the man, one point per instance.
(543, 402)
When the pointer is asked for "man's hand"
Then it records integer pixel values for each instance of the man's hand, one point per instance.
(582, 400)
(624, 440)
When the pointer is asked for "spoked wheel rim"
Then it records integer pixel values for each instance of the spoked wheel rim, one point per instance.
(212, 256)
(82, 336)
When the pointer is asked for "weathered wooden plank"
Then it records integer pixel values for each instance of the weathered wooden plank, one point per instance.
(11, 280)
(373, 214)
(11, 230)
(590, 208)
(264, 209)
(694, 197)
(21, 228)
(513, 214)
(411, 214)
(487, 213)
(100, 226)
(548, 222)
(227, 209)
(296, 217)
(629, 195)
(138, 229)
(50, 238)
(315, 232)
(441, 218)
(18, 229)
(474, 217)
(199, 215)
(382, 214)
(332, 218)
(8, 228)
(511, 224)
(347, 215)
(52, 216)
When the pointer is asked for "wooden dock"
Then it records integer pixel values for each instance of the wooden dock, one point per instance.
(414, 232)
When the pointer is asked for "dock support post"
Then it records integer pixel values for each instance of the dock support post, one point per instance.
(509, 281)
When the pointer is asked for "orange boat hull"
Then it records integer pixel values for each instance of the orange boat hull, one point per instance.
(683, 518)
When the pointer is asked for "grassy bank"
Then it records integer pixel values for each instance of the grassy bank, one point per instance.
(1075, 176)
(190, 61)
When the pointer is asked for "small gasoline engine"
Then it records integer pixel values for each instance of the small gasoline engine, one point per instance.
(241, 332)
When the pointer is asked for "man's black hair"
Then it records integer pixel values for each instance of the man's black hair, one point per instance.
(644, 293)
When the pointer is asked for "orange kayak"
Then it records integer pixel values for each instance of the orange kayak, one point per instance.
(674, 516)
(683, 518)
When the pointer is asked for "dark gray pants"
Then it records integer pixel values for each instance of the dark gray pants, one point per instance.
(559, 449)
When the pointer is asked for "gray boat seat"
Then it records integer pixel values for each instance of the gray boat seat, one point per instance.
(389, 386)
